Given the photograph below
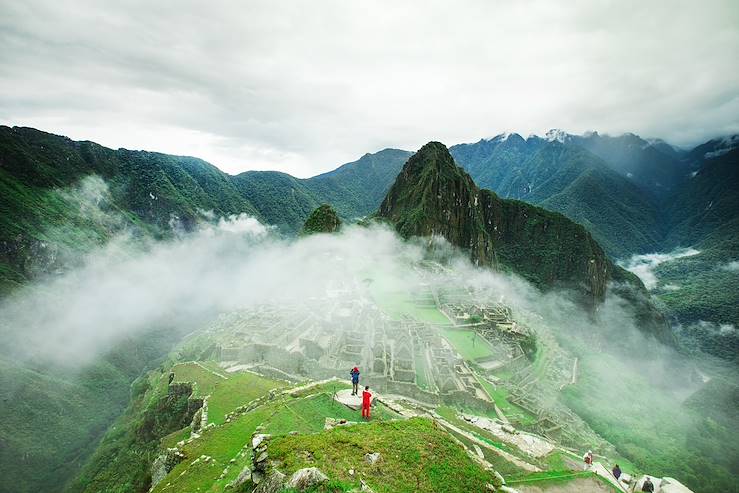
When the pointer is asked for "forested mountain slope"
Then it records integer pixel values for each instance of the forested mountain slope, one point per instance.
(638, 197)
(433, 196)
(569, 179)
(48, 180)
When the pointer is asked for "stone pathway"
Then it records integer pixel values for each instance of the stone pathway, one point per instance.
(533, 445)
(604, 473)
(473, 438)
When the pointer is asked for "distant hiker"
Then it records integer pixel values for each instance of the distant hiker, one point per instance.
(616, 472)
(355, 380)
(647, 486)
(588, 459)
(366, 402)
(171, 377)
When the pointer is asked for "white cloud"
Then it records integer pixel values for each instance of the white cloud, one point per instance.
(644, 265)
(126, 288)
(302, 87)
(732, 266)
(723, 329)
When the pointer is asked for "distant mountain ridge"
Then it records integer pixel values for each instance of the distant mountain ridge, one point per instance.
(621, 188)
(150, 192)
(637, 197)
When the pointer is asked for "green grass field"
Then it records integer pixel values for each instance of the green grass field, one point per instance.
(239, 389)
(398, 303)
(467, 343)
(191, 372)
(511, 411)
(416, 455)
(305, 414)
(226, 394)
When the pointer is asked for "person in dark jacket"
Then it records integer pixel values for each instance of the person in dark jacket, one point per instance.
(355, 380)
(616, 471)
(647, 485)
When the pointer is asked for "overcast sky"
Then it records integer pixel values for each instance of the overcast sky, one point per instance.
(307, 85)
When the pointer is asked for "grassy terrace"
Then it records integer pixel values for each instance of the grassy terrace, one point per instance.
(511, 411)
(305, 414)
(416, 455)
(467, 343)
(398, 303)
(226, 394)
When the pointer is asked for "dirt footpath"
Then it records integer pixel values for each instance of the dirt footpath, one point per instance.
(580, 485)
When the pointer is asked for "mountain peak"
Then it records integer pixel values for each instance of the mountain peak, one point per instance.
(432, 156)
(557, 135)
(322, 220)
(432, 196)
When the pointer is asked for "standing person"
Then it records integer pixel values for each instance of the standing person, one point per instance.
(647, 486)
(588, 459)
(355, 380)
(366, 402)
(616, 472)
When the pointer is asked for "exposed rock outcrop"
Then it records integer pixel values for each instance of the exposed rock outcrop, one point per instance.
(306, 478)
(243, 477)
(164, 463)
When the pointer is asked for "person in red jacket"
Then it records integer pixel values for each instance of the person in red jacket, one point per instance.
(366, 402)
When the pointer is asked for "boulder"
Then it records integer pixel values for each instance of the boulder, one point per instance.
(197, 420)
(243, 477)
(257, 439)
(372, 458)
(165, 463)
(261, 457)
(273, 483)
(306, 478)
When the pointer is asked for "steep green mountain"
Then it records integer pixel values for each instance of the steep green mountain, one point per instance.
(322, 220)
(569, 179)
(52, 418)
(58, 196)
(707, 203)
(354, 190)
(94, 192)
(433, 196)
(702, 288)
